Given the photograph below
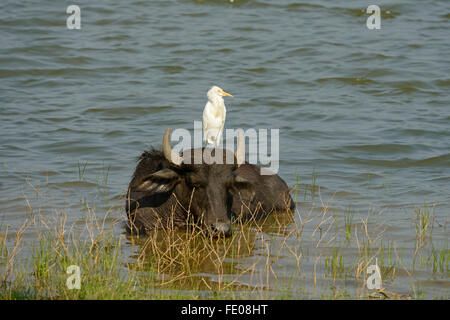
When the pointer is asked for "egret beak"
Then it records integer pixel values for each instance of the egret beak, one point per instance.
(225, 93)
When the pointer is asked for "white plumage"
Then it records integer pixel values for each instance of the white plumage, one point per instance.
(214, 116)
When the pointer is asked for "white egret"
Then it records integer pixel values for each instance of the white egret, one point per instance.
(214, 116)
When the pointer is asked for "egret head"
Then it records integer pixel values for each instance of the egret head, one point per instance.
(216, 92)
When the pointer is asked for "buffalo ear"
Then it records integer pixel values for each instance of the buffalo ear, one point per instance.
(161, 181)
(242, 186)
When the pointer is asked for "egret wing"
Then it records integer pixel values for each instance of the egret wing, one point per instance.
(205, 122)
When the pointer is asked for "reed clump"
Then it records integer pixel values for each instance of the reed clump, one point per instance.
(424, 218)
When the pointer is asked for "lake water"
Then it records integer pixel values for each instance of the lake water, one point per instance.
(364, 113)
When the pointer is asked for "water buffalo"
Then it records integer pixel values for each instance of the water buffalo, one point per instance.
(167, 187)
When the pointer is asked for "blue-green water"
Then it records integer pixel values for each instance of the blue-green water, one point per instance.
(367, 111)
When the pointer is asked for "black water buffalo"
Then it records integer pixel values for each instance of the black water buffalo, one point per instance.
(166, 187)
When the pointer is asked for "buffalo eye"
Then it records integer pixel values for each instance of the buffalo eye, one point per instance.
(195, 181)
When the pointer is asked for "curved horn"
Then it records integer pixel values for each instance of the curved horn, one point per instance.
(240, 149)
(169, 154)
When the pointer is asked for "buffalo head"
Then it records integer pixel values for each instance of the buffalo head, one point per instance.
(204, 190)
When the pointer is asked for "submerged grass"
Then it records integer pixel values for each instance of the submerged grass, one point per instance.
(424, 218)
(310, 253)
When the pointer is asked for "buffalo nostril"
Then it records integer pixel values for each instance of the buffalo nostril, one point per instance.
(221, 228)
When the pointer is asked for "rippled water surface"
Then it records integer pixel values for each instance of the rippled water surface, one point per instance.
(364, 115)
